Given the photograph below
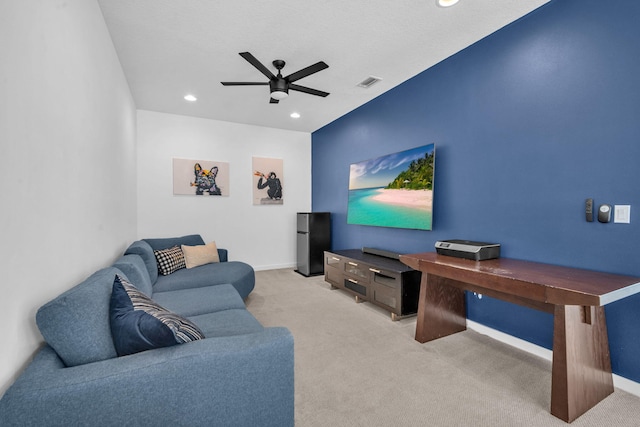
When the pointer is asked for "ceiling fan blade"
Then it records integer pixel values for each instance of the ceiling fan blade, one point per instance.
(308, 90)
(273, 101)
(253, 61)
(319, 66)
(245, 83)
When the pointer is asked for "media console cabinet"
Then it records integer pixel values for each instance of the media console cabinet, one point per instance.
(383, 281)
(581, 367)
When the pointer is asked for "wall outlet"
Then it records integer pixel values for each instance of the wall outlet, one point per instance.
(622, 214)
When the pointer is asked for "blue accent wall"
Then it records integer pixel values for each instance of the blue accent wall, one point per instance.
(528, 123)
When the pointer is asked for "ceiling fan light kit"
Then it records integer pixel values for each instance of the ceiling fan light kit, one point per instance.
(279, 86)
(446, 3)
(279, 94)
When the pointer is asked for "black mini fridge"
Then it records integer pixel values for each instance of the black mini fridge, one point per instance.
(314, 237)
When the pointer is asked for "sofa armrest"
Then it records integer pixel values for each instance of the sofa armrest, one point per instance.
(223, 255)
(244, 380)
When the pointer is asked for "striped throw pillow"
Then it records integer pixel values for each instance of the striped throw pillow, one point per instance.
(138, 323)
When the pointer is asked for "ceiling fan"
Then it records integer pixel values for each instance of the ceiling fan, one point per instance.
(279, 85)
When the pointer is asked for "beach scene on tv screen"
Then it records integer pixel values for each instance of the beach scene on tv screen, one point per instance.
(395, 190)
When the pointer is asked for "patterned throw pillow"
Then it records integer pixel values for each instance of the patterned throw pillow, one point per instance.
(169, 260)
(138, 323)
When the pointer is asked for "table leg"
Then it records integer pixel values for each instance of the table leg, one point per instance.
(441, 309)
(581, 373)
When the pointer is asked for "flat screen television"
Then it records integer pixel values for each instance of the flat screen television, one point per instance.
(395, 190)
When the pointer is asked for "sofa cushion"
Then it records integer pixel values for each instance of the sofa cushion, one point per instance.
(76, 323)
(227, 323)
(238, 273)
(169, 260)
(138, 323)
(167, 242)
(145, 251)
(136, 271)
(192, 302)
(195, 256)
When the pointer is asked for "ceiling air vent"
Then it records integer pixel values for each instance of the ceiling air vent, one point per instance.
(369, 81)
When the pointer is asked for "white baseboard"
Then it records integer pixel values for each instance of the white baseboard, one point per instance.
(619, 382)
(273, 267)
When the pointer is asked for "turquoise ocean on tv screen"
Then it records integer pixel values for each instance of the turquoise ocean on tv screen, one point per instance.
(364, 210)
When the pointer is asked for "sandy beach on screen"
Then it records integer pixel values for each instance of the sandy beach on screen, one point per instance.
(411, 198)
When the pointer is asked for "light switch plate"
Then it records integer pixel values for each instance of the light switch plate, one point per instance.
(622, 214)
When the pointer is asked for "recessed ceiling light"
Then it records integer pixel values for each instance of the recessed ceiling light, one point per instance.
(190, 97)
(446, 3)
(295, 115)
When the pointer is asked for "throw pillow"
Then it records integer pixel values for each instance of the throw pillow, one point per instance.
(200, 255)
(138, 323)
(169, 260)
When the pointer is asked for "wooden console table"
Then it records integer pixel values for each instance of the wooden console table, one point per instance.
(581, 370)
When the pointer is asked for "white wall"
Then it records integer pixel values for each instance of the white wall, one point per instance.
(67, 161)
(263, 236)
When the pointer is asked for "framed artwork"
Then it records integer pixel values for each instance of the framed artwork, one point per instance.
(395, 190)
(267, 181)
(200, 177)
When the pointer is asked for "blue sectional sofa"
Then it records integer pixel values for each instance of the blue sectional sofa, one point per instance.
(240, 374)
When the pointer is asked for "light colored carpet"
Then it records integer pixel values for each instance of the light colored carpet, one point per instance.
(355, 367)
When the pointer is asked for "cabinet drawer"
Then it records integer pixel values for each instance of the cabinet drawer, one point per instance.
(387, 299)
(333, 276)
(356, 287)
(386, 278)
(356, 269)
(332, 260)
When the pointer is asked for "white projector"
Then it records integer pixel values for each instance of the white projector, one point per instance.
(468, 249)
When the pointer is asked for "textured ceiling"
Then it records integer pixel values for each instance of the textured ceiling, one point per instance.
(169, 48)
